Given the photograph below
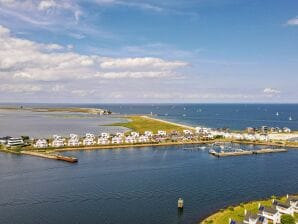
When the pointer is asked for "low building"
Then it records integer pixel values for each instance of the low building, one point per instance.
(41, 143)
(187, 132)
(103, 141)
(250, 218)
(73, 140)
(161, 133)
(87, 141)
(293, 201)
(148, 134)
(117, 140)
(286, 130)
(283, 208)
(143, 139)
(130, 139)
(270, 213)
(104, 135)
(58, 141)
(135, 134)
(11, 142)
(120, 134)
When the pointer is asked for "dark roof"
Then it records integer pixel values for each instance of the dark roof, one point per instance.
(292, 198)
(268, 210)
(234, 222)
(250, 215)
(281, 204)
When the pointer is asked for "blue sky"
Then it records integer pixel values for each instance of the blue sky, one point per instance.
(120, 51)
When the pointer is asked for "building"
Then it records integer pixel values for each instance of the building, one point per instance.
(104, 135)
(41, 143)
(286, 130)
(187, 132)
(15, 142)
(135, 134)
(117, 140)
(293, 201)
(250, 218)
(73, 140)
(88, 141)
(130, 139)
(271, 214)
(120, 134)
(89, 135)
(143, 139)
(58, 141)
(148, 134)
(283, 208)
(103, 141)
(161, 133)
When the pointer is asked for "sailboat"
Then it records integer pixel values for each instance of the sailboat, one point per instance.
(290, 118)
(277, 114)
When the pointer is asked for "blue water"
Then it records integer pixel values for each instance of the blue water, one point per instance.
(137, 185)
(142, 185)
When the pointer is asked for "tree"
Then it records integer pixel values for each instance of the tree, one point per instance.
(287, 219)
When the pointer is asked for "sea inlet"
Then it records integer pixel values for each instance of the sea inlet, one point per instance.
(138, 185)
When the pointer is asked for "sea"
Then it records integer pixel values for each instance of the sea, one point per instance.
(142, 185)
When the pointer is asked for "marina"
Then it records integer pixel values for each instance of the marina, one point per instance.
(245, 152)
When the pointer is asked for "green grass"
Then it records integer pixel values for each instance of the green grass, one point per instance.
(237, 213)
(142, 124)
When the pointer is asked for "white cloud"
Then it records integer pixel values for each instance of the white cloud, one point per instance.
(271, 91)
(134, 63)
(46, 4)
(30, 64)
(19, 88)
(293, 22)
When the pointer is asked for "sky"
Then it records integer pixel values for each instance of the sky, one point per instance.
(149, 51)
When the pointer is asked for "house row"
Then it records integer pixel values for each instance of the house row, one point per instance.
(266, 129)
(271, 214)
(91, 139)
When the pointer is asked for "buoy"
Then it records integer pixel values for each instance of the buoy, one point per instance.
(180, 203)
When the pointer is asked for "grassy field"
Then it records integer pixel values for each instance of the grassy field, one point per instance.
(237, 213)
(141, 124)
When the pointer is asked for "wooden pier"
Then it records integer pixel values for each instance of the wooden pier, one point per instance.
(246, 152)
(51, 156)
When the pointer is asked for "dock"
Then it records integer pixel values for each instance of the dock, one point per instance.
(246, 152)
(51, 156)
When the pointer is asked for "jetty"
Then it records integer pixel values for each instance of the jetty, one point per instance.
(51, 156)
(245, 152)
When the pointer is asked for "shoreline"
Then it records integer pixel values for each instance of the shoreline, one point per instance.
(227, 208)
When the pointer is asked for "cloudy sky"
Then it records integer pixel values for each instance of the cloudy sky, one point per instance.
(144, 51)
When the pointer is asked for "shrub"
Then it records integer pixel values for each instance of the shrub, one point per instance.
(287, 219)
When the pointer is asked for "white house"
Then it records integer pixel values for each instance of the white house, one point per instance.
(284, 208)
(117, 140)
(58, 143)
(103, 141)
(88, 141)
(250, 218)
(89, 135)
(41, 143)
(105, 135)
(73, 140)
(130, 139)
(143, 139)
(287, 130)
(161, 133)
(120, 134)
(293, 201)
(187, 132)
(135, 134)
(270, 213)
(148, 133)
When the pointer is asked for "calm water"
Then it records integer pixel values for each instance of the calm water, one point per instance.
(137, 185)
(141, 185)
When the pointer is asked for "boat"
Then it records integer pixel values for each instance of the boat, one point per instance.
(277, 114)
(67, 159)
(212, 151)
(183, 115)
(290, 118)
